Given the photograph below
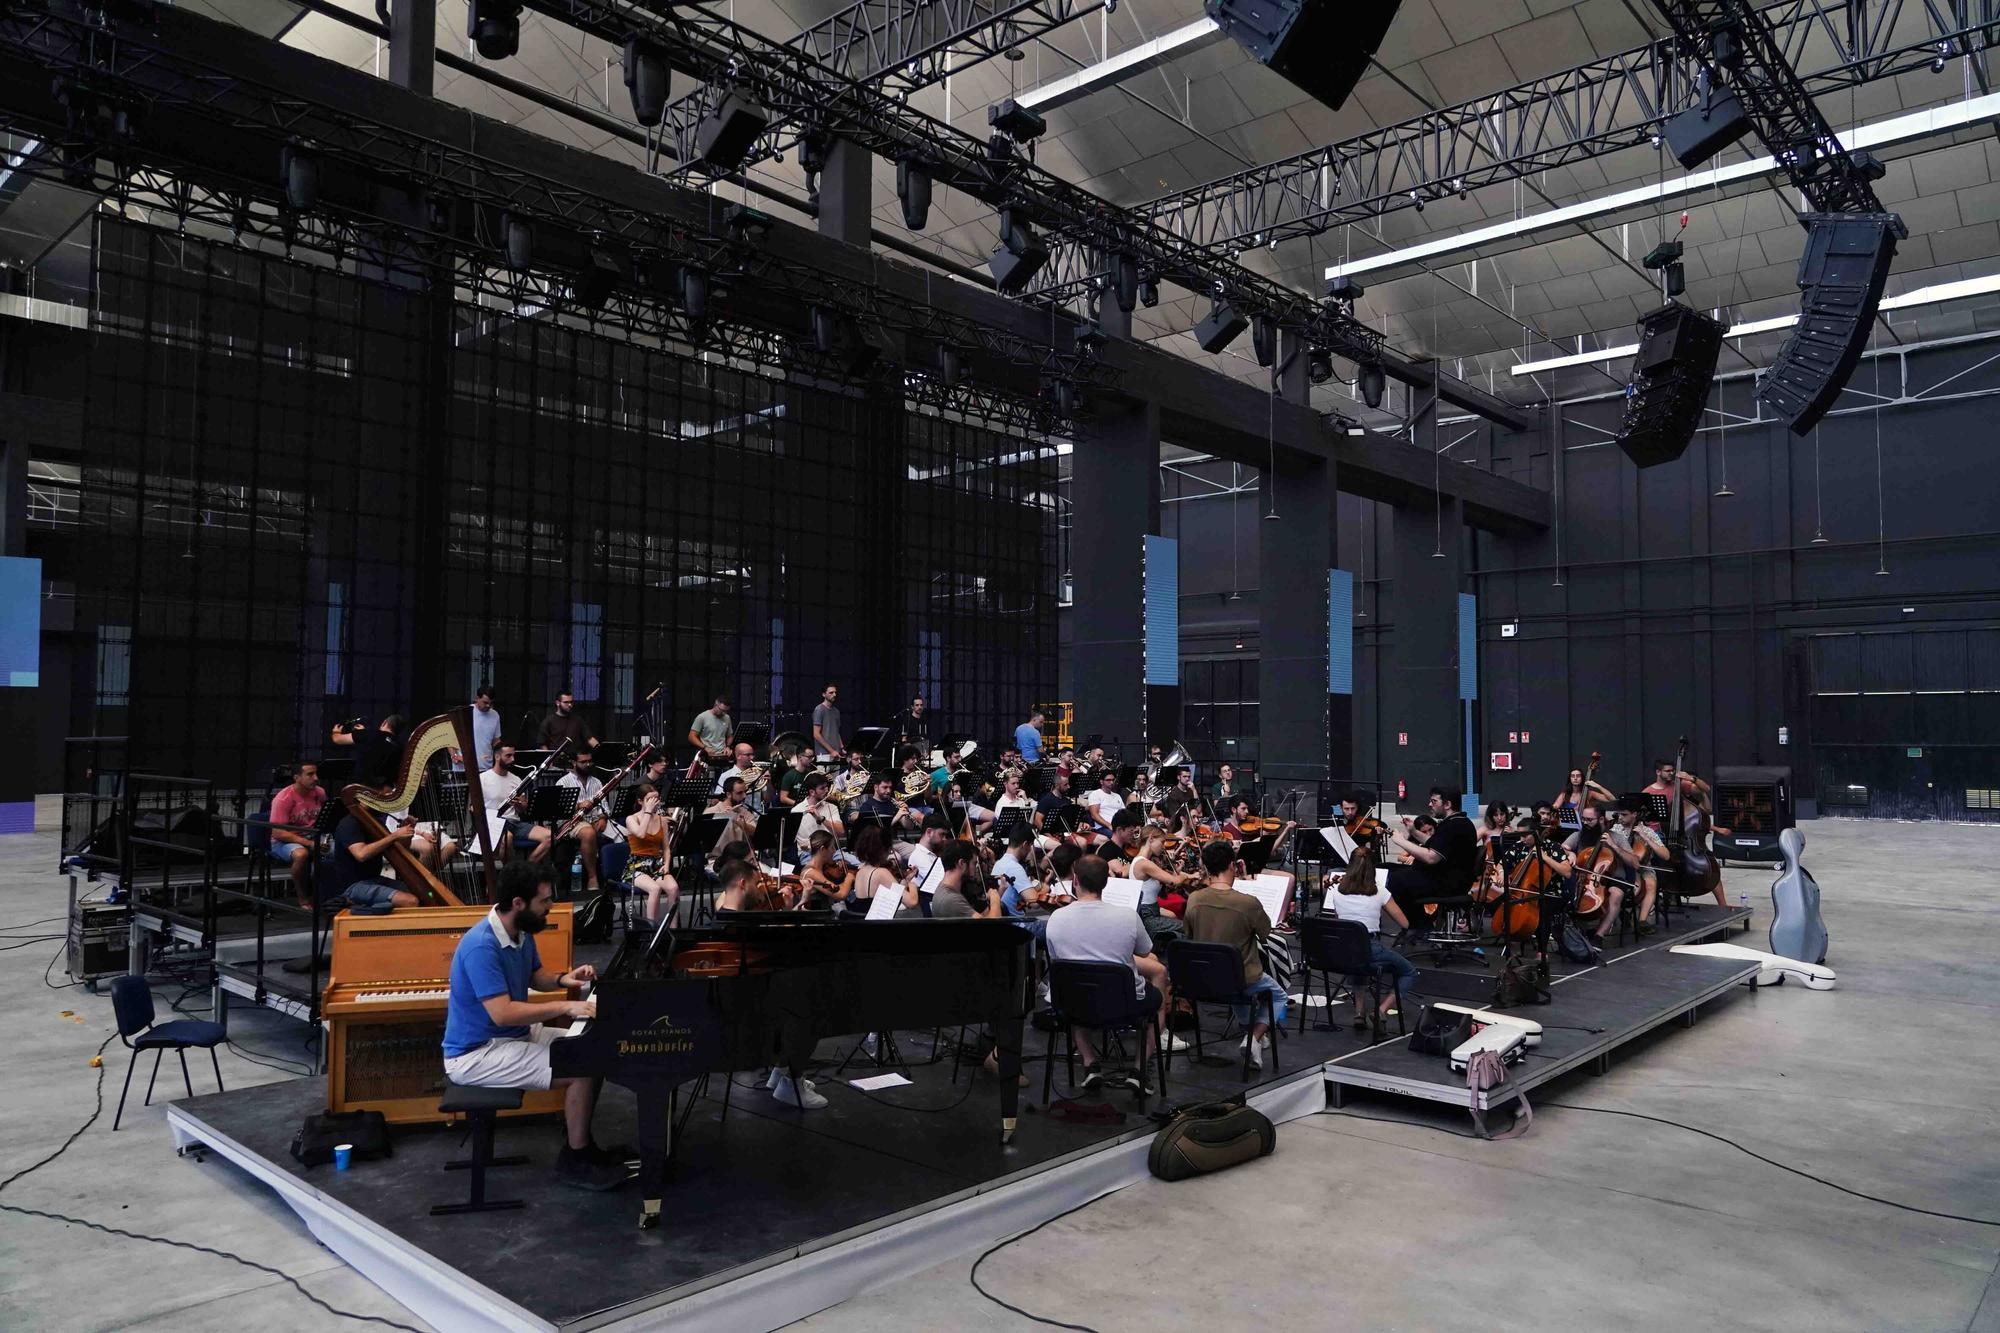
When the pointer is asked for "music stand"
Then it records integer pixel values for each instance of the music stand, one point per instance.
(1313, 847)
(692, 793)
(868, 819)
(552, 803)
(1662, 806)
(753, 734)
(1067, 819)
(1256, 855)
(878, 744)
(1005, 822)
(792, 820)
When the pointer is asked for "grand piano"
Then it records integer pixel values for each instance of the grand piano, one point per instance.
(765, 988)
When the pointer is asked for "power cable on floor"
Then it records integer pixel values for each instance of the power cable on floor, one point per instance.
(1707, 1134)
(1006, 1305)
(96, 1113)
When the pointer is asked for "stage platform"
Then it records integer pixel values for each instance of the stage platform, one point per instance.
(773, 1213)
(1593, 1010)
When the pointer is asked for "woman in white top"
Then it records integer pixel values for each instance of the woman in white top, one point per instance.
(1150, 868)
(1360, 899)
(876, 875)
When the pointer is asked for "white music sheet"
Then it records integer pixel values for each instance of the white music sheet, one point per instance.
(1122, 893)
(1270, 890)
(882, 907)
(1337, 838)
(1381, 884)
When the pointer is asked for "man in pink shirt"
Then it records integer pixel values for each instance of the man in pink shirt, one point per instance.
(297, 805)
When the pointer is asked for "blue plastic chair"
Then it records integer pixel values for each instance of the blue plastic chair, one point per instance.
(132, 1003)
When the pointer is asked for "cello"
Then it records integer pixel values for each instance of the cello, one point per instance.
(1515, 890)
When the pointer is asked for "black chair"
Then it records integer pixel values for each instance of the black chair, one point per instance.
(132, 1003)
(1214, 972)
(1344, 947)
(1094, 995)
(481, 1108)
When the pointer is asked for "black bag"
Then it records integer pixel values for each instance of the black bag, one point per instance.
(1439, 1031)
(1208, 1138)
(1573, 944)
(367, 1131)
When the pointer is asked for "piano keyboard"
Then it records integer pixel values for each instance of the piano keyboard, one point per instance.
(400, 996)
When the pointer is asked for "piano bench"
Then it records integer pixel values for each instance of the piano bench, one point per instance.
(481, 1107)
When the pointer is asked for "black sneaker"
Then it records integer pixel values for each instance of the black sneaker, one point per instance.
(1092, 1082)
(618, 1154)
(578, 1171)
(1131, 1079)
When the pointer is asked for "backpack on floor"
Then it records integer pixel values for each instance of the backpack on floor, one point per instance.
(1573, 944)
(367, 1131)
(1208, 1138)
(1439, 1031)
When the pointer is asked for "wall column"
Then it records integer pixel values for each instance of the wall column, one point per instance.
(1115, 500)
(1295, 551)
(1421, 688)
(413, 45)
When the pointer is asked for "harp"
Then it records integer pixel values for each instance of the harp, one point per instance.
(430, 792)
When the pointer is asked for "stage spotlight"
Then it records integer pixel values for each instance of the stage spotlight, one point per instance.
(300, 168)
(1459, 184)
(1149, 292)
(1371, 382)
(1344, 288)
(913, 189)
(1019, 256)
(1264, 339)
(746, 223)
(1219, 327)
(1016, 121)
(835, 336)
(1319, 365)
(729, 130)
(1938, 60)
(494, 26)
(1418, 200)
(519, 239)
(1125, 281)
(647, 80)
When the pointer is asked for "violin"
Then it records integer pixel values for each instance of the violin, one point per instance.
(1257, 824)
(1364, 827)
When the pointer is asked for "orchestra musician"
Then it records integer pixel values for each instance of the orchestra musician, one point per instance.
(915, 724)
(1020, 889)
(1360, 899)
(1697, 810)
(1054, 799)
(494, 1037)
(1638, 849)
(1012, 797)
(740, 820)
(1028, 738)
(1224, 793)
(1182, 803)
(1105, 803)
(507, 806)
(566, 724)
(1579, 791)
(961, 890)
(876, 875)
(852, 784)
(296, 808)
(827, 740)
(791, 786)
(977, 815)
(909, 767)
(1441, 867)
(753, 775)
(586, 830)
(1585, 840)
(920, 860)
(1122, 851)
(378, 750)
(1218, 914)
(713, 731)
(647, 834)
(1149, 866)
(823, 873)
(881, 803)
(819, 815)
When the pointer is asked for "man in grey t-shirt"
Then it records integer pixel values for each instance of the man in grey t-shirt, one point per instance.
(826, 724)
(712, 730)
(1091, 930)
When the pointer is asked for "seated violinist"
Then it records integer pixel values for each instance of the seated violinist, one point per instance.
(730, 806)
(824, 874)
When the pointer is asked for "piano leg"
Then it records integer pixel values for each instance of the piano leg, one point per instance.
(1007, 1038)
(656, 1137)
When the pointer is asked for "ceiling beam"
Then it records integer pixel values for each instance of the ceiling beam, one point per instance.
(1112, 70)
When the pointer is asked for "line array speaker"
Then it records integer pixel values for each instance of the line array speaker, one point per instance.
(1321, 46)
(1670, 380)
(1841, 274)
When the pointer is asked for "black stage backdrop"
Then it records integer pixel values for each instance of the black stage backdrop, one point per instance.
(303, 495)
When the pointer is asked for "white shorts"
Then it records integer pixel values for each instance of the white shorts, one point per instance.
(505, 1062)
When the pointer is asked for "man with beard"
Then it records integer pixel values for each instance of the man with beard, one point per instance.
(494, 1035)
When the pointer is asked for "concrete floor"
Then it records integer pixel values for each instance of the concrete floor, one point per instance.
(1887, 1085)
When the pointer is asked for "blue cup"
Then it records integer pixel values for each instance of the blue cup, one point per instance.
(342, 1154)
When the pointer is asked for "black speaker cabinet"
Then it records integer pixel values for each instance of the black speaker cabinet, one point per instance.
(1670, 378)
(1705, 129)
(1320, 46)
(1755, 804)
(1841, 276)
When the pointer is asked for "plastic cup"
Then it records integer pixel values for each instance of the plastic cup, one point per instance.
(342, 1154)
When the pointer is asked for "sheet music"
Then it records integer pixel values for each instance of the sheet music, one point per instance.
(1381, 886)
(1270, 890)
(1337, 838)
(1122, 893)
(882, 907)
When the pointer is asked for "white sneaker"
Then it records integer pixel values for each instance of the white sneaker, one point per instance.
(1256, 1050)
(1177, 1043)
(804, 1096)
(771, 1079)
(868, 1043)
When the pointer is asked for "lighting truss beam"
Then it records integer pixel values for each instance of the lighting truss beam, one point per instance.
(1887, 133)
(1579, 114)
(234, 126)
(1779, 105)
(901, 46)
(1936, 294)
(1116, 69)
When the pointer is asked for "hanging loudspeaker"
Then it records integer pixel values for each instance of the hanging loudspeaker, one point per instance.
(1321, 46)
(647, 81)
(1841, 274)
(1671, 375)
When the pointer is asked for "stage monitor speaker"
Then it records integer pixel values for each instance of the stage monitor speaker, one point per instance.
(1320, 46)
(1670, 379)
(1841, 274)
(1703, 130)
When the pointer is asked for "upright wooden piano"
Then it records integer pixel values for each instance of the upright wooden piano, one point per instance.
(384, 1008)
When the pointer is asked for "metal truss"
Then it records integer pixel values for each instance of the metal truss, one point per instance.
(1582, 113)
(900, 45)
(1779, 105)
(455, 185)
(792, 86)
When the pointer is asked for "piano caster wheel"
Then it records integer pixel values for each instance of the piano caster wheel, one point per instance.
(649, 1215)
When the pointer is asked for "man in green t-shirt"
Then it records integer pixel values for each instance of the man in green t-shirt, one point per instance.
(791, 787)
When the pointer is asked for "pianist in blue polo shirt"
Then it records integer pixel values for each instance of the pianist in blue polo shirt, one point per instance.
(493, 1034)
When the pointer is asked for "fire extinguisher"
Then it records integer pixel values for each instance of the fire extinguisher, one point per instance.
(1402, 789)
